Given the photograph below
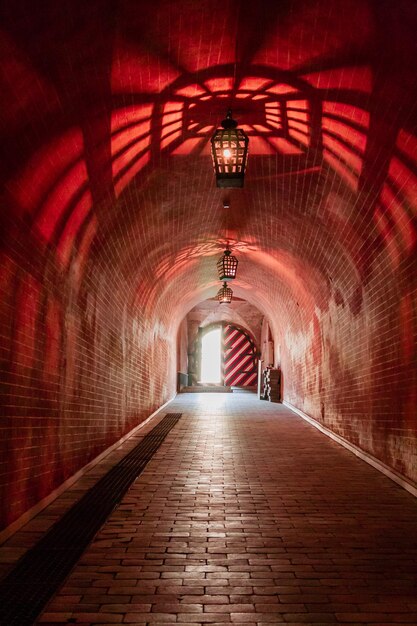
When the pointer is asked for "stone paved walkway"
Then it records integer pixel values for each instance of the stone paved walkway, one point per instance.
(248, 515)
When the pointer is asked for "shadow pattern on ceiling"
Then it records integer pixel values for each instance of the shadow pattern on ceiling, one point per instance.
(97, 96)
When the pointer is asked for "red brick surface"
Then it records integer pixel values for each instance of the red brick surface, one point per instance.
(111, 224)
(248, 515)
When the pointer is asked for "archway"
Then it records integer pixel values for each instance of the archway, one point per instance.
(227, 355)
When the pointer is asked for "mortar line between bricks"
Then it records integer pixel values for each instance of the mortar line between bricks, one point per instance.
(26, 589)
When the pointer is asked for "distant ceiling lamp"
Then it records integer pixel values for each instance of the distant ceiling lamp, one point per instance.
(224, 295)
(229, 149)
(227, 265)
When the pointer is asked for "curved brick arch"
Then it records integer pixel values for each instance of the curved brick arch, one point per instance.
(239, 353)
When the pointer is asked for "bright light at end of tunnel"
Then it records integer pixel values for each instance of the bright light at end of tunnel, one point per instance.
(210, 357)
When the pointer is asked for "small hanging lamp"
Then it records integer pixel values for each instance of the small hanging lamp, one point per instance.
(224, 295)
(227, 265)
(229, 149)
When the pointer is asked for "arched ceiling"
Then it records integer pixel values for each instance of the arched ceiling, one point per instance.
(108, 108)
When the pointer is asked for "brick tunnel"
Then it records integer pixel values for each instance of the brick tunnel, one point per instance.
(112, 224)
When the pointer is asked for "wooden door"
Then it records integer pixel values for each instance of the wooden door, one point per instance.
(240, 357)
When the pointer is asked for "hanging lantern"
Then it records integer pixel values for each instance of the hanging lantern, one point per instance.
(227, 265)
(229, 149)
(224, 295)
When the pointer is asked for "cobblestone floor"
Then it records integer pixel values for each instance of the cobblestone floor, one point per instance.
(248, 515)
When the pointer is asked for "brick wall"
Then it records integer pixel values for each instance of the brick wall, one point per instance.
(79, 369)
(351, 363)
(111, 224)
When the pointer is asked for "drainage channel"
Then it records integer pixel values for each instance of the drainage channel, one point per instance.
(41, 571)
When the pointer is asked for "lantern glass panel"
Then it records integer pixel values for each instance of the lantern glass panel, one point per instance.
(227, 266)
(224, 295)
(229, 153)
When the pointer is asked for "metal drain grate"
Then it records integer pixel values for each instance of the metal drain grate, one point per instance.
(42, 570)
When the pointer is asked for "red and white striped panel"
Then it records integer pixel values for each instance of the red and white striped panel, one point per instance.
(240, 360)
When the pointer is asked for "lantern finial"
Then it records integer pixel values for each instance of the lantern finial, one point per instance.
(228, 121)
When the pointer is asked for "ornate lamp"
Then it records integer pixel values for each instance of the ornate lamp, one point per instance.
(229, 149)
(224, 295)
(227, 265)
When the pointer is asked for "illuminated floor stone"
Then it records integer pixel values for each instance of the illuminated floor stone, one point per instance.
(248, 515)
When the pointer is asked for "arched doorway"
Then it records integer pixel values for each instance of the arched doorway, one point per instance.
(226, 354)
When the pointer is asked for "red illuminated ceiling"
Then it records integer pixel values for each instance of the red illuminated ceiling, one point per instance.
(100, 95)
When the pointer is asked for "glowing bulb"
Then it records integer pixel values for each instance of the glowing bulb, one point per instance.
(227, 153)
